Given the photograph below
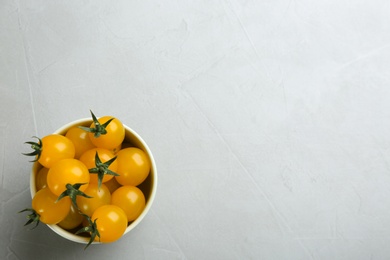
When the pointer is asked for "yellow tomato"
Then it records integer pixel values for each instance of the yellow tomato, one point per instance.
(80, 140)
(55, 148)
(130, 199)
(72, 220)
(50, 211)
(88, 158)
(111, 223)
(41, 178)
(113, 137)
(66, 171)
(99, 198)
(112, 185)
(133, 166)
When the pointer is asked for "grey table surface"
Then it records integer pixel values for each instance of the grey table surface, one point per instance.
(268, 121)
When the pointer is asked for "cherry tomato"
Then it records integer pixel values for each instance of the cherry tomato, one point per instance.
(112, 185)
(66, 171)
(50, 211)
(55, 148)
(41, 178)
(88, 158)
(111, 223)
(99, 198)
(130, 199)
(114, 136)
(133, 166)
(72, 220)
(80, 139)
(116, 149)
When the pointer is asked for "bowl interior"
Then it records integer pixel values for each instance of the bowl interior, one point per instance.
(148, 187)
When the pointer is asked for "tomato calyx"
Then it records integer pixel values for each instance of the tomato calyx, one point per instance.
(73, 191)
(37, 147)
(91, 229)
(100, 129)
(32, 218)
(101, 169)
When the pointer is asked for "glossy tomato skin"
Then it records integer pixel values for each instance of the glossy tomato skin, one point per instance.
(80, 140)
(133, 166)
(50, 211)
(111, 223)
(116, 149)
(41, 178)
(112, 185)
(72, 220)
(100, 197)
(88, 158)
(130, 199)
(66, 171)
(55, 147)
(114, 136)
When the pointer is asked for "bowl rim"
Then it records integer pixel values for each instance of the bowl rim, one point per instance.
(153, 170)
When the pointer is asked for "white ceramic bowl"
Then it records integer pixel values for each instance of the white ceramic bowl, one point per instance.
(148, 187)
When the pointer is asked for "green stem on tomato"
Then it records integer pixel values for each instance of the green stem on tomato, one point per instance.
(101, 169)
(91, 229)
(100, 129)
(72, 191)
(37, 147)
